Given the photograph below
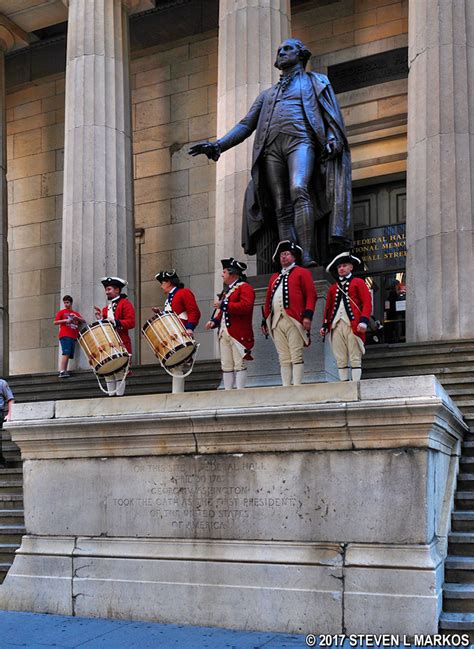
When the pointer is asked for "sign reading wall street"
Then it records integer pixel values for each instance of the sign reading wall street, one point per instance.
(383, 248)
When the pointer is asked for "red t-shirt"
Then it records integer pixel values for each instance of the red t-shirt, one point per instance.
(71, 330)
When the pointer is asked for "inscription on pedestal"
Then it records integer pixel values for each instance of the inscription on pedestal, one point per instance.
(309, 496)
(203, 495)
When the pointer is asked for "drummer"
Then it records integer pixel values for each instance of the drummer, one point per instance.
(121, 314)
(181, 301)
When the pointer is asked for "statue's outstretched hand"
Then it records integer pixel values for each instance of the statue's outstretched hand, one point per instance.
(210, 149)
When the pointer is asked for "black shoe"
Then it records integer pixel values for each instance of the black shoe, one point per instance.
(3, 462)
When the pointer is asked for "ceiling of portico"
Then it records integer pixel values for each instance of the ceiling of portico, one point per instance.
(32, 15)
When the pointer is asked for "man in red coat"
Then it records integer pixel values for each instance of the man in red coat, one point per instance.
(181, 301)
(346, 316)
(233, 318)
(289, 309)
(120, 312)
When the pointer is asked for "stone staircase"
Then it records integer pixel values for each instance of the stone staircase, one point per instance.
(12, 526)
(453, 364)
(148, 379)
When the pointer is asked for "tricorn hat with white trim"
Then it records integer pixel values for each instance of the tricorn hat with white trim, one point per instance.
(343, 258)
(291, 246)
(167, 275)
(233, 265)
(114, 281)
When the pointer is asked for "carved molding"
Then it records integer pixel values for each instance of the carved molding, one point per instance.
(132, 6)
(11, 36)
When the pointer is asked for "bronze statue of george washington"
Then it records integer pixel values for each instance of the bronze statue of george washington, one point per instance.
(301, 163)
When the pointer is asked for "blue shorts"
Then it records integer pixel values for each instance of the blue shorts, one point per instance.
(67, 346)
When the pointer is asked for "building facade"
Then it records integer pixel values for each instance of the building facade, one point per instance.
(102, 99)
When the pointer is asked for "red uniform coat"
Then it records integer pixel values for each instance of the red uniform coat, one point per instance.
(183, 300)
(237, 307)
(360, 302)
(125, 319)
(301, 294)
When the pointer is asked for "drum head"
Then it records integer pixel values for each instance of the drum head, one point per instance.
(179, 355)
(111, 365)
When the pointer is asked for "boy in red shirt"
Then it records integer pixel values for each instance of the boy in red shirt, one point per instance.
(68, 321)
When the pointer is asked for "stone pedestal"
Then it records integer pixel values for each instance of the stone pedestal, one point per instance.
(319, 362)
(249, 34)
(440, 216)
(318, 509)
(98, 229)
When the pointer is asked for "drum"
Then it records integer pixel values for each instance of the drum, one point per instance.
(169, 340)
(103, 347)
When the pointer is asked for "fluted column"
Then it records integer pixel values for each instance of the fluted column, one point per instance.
(440, 170)
(249, 34)
(98, 229)
(11, 36)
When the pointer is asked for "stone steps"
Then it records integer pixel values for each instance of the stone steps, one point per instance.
(12, 533)
(11, 513)
(464, 500)
(458, 623)
(10, 486)
(458, 598)
(459, 570)
(461, 544)
(7, 552)
(468, 448)
(465, 481)
(11, 517)
(146, 379)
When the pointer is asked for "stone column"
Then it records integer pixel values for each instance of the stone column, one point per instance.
(249, 34)
(11, 36)
(98, 230)
(440, 170)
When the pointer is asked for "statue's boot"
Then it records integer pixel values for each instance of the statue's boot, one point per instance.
(304, 226)
(286, 229)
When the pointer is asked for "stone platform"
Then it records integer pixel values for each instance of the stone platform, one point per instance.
(323, 508)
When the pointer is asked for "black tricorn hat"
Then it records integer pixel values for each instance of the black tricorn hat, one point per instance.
(234, 266)
(343, 258)
(114, 281)
(167, 275)
(291, 246)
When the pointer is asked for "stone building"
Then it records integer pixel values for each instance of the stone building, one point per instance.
(100, 102)
(103, 98)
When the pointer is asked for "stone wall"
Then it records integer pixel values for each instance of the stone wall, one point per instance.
(174, 104)
(35, 140)
(376, 115)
